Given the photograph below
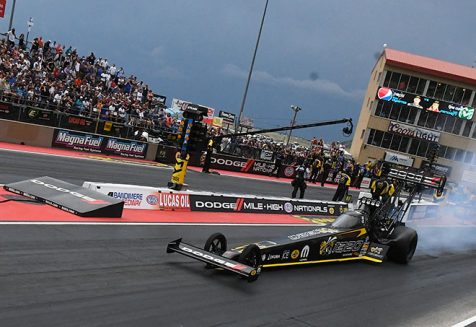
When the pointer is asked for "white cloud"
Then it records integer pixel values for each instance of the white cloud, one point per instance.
(319, 85)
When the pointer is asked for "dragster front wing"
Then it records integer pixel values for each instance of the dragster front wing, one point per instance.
(216, 260)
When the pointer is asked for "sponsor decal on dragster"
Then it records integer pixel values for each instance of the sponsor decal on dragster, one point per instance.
(218, 260)
(126, 148)
(78, 141)
(169, 201)
(251, 205)
(346, 248)
(377, 251)
(312, 233)
(129, 199)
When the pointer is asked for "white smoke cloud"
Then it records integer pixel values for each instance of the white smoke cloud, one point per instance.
(318, 85)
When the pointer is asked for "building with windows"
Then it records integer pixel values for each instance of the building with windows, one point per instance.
(413, 101)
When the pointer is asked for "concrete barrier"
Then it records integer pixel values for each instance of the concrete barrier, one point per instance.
(29, 134)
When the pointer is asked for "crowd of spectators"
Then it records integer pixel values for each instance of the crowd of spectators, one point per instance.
(320, 159)
(50, 75)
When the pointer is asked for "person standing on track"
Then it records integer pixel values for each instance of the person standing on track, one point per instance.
(299, 182)
(343, 186)
(315, 169)
(326, 168)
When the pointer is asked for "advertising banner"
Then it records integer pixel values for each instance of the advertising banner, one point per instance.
(38, 116)
(252, 166)
(398, 159)
(267, 206)
(77, 141)
(428, 104)
(442, 169)
(98, 144)
(266, 155)
(8, 111)
(228, 117)
(78, 123)
(125, 148)
(413, 131)
(184, 105)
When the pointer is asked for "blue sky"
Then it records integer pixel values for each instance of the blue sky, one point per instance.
(201, 50)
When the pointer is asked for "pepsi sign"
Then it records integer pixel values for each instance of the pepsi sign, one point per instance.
(428, 104)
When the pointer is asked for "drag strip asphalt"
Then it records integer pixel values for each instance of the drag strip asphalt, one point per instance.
(75, 275)
(121, 276)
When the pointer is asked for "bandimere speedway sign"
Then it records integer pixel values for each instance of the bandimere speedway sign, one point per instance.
(93, 143)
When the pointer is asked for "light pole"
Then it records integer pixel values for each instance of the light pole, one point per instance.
(11, 15)
(237, 123)
(30, 25)
(296, 109)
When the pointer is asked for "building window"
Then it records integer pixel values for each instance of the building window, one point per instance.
(395, 145)
(412, 115)
(469, 157)
(402, 85)
(387, 78)
(414, 146)
(431, 120)
(442, 151)
(394, 80)
(371, 136)
(440, 122)
(450, 123)
(422, 120)
(395, 112)
(431, 89)
(404, 113)
(450, 153)
(422, 149)
(457, 127)
(387, 139)
(440, 90)
(459, 156)
(458, 97)
(449, 93)
(413, 84)
(466, 97)
(404, 144)
(467, 128)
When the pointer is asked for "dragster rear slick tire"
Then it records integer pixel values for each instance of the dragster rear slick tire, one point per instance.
(403, 245)
(251, 256)
(215, 244)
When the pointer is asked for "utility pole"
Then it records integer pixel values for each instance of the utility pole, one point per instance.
(296, 109)
(242, 107)
(11, 15)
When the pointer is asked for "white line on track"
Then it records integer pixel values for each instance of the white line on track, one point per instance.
(465, 323)
(125, 162)
(94, 223)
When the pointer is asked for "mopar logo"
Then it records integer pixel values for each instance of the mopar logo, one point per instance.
(305, 252)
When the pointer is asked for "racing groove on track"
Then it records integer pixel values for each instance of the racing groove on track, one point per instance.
(121, 276)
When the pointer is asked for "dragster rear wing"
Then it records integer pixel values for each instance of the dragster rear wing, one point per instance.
(423, 178)
(199, 254)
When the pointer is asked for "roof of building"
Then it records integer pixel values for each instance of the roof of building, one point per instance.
(430, 66)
